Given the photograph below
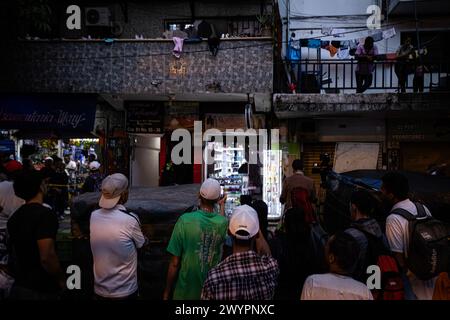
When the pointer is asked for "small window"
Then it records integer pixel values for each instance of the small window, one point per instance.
(178, 25)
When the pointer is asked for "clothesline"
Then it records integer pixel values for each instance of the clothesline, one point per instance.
(315, 43)
(341, 48)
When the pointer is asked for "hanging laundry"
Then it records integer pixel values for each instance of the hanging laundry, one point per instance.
(377, 36)
(313, 43)
(343, 53)
(353, 47)
(213, 41)
(178, 47)
(336, 44)
(303, 42)
(294, 50)
(213, 44)
(324, 44)
(193, 40)
(389, 33)
(332, 50)
(327, 31)
(345, 44)
(204, 29)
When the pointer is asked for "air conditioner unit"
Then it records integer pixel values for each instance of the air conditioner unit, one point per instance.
(98, 16)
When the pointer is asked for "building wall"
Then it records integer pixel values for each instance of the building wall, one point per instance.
(147, 19)
(308, 17)
(350, 16)
(351, 130)
(384, 46)
(131, 66)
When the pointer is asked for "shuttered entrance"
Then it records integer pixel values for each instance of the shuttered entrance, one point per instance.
(418, 156)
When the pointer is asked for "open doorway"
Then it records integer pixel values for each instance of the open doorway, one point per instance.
(145, 160)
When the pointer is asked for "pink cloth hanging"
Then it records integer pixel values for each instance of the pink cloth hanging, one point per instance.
(178, 46)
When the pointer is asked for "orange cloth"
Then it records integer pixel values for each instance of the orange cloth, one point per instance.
(442, 287)
(333, 50)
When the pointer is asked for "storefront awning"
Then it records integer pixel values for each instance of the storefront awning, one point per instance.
(58, 114)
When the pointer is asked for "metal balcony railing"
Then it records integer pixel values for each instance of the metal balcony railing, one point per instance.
(340, 76)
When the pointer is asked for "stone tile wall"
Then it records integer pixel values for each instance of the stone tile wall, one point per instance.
(241, 66)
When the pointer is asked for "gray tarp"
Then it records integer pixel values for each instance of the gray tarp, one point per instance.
(153, 205)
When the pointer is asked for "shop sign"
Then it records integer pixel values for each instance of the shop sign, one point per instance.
(177, 68)
(181, 115)
(431, 130)
(48, 111)
(7, 146)
(144, 116)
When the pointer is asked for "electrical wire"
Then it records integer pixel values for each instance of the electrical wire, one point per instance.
(197, 51)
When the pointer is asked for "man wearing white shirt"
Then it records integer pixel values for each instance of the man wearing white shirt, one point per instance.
(115, 236)
(396, 188)
(341, 253)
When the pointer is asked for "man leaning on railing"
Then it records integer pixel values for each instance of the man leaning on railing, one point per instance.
(365, 55)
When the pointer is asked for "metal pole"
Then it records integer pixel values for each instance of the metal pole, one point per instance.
(288, 29)
(417, 26)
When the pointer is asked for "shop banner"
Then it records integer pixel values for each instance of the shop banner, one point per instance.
(7, 146)
(145, 116)
(48, 111)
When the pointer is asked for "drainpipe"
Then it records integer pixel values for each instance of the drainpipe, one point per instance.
(288, 29)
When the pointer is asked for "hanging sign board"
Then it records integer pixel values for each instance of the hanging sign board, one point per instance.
(144, 116)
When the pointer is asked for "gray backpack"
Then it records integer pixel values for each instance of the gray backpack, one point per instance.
(428, 243)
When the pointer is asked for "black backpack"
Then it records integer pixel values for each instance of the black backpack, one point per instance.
(428, 243)
(316, 248)
(378, 254)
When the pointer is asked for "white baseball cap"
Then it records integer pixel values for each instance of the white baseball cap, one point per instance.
(210, 189)
(244, 218)
(94, 165)
(71, 165)
(112, 188)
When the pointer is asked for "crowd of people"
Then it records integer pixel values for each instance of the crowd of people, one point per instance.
(213, 258)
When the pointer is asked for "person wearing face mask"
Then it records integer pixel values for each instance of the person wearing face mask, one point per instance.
(32, 230)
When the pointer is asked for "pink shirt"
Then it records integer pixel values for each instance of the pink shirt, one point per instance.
(365, 67)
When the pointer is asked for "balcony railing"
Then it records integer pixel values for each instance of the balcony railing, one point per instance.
(339, 76)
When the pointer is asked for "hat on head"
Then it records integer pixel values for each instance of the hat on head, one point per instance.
(210, 189)
(71, 165)
(94, 165)
(112, 188)
(244, 218)
(48, 159)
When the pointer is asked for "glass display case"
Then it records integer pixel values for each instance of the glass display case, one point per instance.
(225, 169)
(272, 184)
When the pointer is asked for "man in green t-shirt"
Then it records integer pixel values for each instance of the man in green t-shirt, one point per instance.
(196, 245)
